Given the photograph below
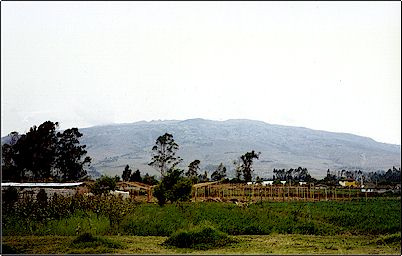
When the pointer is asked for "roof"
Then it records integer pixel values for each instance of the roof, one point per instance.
(41, 184)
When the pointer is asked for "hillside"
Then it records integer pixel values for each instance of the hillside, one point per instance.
(212, 142)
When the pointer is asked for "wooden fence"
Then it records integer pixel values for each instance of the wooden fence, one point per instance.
(243, 192)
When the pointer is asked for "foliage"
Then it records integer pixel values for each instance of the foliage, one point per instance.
(292, 175)
(136, 176)
(192, 172)
(43, 154)
(150, 180)
(201, 237)
(246, 165)
(164, 154)
(126, 173)
(103, 185)
(203, 177)
(87, 240)
(173, 187)
(219, 173)
(9, 198)
(70, 160)
(109, 215)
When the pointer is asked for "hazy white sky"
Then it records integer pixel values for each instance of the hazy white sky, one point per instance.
(332, 66)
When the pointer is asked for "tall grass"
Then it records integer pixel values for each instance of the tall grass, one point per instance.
(375, 216)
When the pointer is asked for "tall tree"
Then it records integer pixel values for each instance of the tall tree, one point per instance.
(164, 154)
(71, 158)
(10, 172)
(42, 154)
(136, 176)
(219, 173)
(247, 162)
(126, 173)
(36, 151)
(193, 169)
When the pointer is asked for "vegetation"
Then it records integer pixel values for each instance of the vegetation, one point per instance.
(164, 154)
(43, 154)
(247, 162)
(103, 185)
(173, 187)
(111, 215)
(219, 173)
(257, 244)
(292, 175)
(202, 237)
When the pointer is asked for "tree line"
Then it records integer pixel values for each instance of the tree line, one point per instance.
(44, 154)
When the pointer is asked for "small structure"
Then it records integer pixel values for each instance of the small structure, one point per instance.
(349, 183)
(51, 188)
(302, 183)
(123, 194)
(134, 188)
(267, 182)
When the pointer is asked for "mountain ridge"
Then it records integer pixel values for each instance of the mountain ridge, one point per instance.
(213, 142)
(113, 146)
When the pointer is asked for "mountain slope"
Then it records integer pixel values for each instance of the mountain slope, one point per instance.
(213, 142)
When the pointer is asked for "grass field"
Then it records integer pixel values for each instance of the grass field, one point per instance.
(328, 227)
(257, 244)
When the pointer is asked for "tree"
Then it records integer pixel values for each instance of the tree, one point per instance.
(203, 177)
(126, 173)
(43, 154)
(238, 170)
(150, 180)
(70, 160)
(173, 187)
(103, 185)
(219, 173)
(136, 176)
(164, 154)
(247, 162)
(36, 151)
(193, 169)
(10, 172)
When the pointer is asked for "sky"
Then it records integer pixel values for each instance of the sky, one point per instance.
(333, 66)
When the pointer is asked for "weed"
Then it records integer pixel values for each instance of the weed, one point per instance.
(201, 237)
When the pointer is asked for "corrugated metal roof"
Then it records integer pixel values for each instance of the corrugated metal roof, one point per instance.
(41, 184)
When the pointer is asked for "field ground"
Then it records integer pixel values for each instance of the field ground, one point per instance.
(247, 244)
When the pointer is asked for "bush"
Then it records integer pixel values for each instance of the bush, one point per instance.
(88, 240)
(201, 237)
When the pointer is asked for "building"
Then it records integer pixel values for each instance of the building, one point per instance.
(349, 183)
(51, 188)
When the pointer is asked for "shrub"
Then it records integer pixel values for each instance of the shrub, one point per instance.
(202, 237)
(88, 240)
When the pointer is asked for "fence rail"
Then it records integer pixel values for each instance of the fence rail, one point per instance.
(274, 193)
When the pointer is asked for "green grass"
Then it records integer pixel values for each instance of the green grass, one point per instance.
(87, 243)
(379, 216)
(376, 216)
(201, 237)
(258, 244)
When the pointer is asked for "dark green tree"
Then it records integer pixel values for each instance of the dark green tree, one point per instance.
(126, 173)
(238, 170)
(164, 154)
(10, 172)
(173, 187)
(103, 185)
(193, 169)
(136, 176)
(219, 173)
(150, 180)
(36, 151)
(203, 177)
(247, 162)
(70, 160)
